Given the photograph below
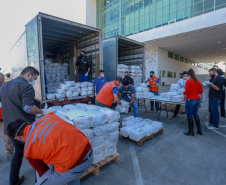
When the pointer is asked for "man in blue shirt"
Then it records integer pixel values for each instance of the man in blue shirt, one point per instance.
(127, 93)
(99, 82)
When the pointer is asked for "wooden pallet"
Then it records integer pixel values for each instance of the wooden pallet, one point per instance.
(95, 168)
(140, 143)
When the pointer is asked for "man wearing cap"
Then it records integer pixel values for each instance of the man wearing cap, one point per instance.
(127, 93)
(129, 78)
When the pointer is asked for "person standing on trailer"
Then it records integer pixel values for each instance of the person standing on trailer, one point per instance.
(129, 78)
(109, 93)
(154, 88)
(17, 98)
(181, 83)
(83, 67)
(8, 142)
(127, 92)
(51, 140)
(99, 82)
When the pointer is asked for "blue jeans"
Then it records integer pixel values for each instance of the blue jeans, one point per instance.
(83, 78)
(214, 111)
(70, 177)
(16, 161)
(192, 106)
(100, 104)
(156, 103)
(135, 106)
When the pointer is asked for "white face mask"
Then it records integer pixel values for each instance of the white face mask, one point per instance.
(32, 82)
(102, 75)
(185, 78)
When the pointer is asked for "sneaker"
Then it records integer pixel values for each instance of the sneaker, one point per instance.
(151, 111)
(212, 128)
(208, 124)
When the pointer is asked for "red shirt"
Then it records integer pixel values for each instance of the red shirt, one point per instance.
(193, 89)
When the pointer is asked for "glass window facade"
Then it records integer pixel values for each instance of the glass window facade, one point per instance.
(127, 17)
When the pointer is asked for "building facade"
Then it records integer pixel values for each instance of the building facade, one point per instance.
(167, 28)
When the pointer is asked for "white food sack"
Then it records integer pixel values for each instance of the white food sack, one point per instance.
(90, 88)
(139, 89)
(60, 91)
(100, 130)
(113, 116)
(111, 149)
(78, 90)
(125, 131)
(148, 129)
(98, 149)
(69, 94)
(84, 93)
(72, 89)
(89, 84)
(88, 133)
(111, 127)
(82, 123)
(146, 89)
(59, 96)
(61, 113)
(143, 85)
(97, 140)
(99, 118)
(90, 92)
(84, 88)
(67, 120)
(99, 157)
(137, 134)
(157, 125)
(93, 107)
(70, 83)
(64, 87)
(179, 98)
(128, 118)
(112, 136)
(68, 107)
(50, 96)
(163, 95)
(74, 94)
(54, 109)
(174, 87)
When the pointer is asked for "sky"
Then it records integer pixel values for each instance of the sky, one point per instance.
(15, 14)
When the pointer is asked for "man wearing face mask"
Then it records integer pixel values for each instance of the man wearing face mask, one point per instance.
(128, 77)
(154, 88)
(8, 142)
(109, 93)
(215, 95)
(99, 82)
(181, 82)
(83, 67)
(17, 98)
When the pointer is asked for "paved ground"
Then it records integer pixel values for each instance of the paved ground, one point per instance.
(168, 159)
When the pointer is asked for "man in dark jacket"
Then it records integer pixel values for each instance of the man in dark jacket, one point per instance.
(83, 67)
(129, 78)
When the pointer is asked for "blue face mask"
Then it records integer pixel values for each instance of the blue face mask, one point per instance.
(32, 82)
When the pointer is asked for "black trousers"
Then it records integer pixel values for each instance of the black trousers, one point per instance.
(222, 102)
(16, 161)
(177, 108)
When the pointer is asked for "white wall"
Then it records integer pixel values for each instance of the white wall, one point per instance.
(168, 64)
(91, 13)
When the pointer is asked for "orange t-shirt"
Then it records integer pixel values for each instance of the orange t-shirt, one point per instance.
(55, 142)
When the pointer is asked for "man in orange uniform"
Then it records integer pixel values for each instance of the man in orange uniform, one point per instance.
(154, 88)
(51, 140)
(109, 93)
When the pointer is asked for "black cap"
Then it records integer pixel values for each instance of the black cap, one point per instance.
(125, 81)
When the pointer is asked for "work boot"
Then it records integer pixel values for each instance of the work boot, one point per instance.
(20, 181)
(190, 126)
(197, 121)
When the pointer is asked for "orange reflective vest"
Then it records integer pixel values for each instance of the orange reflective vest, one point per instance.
(1, 117)
(105, 96)
(54, 141)
(152, 82)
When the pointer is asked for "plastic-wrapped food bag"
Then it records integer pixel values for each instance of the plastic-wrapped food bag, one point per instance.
(93, 107)
(127, 118)
(70, 83)
(67, 120)
(157, 125)
(64, 87)
(113, 116)
(100, 130)
(89, 84)
(125, 131)
(99, 148)
(61, 113)
(163, 95)
(90, 88)
(78, 90)
(137, 134)
(69, 94)
(111, 127)
(99, 118)
(148, 129)
(54, 109)
(110, 149)
(99, 157)
(97, 140)
(174, 87)
(50, 96)
(84, 93)
(77, 85)
(139, 89)
(74, 94)
(129, 122)
(179, 98)
(90, 92)
(60, 91)
(82, 123)
(112, 136)
(88, 133)
(59, 96)
(72, 88)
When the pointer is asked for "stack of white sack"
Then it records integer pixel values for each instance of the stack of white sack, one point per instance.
(121, 69)
(136, 129)
(100, 125)
(55, 73)
(123, 108)
(171, 94)
(181, 91)
(136, 73)
(139, 92)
